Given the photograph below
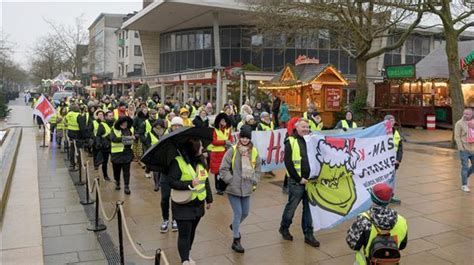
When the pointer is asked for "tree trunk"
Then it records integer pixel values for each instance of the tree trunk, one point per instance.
(362, 88)
(457, 98)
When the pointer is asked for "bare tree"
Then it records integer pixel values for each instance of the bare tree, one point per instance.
(46, 60)
(358, 27)
(66, 38)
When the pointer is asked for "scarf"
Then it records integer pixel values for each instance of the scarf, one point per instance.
(245, 157)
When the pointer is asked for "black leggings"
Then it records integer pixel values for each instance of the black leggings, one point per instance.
(186, 232)
(165, 199)
(125, 167)
(106, 155)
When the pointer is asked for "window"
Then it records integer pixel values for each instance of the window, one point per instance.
(184, 42)
(137, 50)
(126, 51)
(257, 40)
(178, 42)
(199, 40)
(136, 34)
(137, 67)
(225, 38)
(192, 42)
(235, 38)
(324, 39)
(126, 68)
(207, 40)
(126, 34)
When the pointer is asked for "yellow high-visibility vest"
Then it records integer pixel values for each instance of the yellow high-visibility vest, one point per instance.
(254, 156)
(399, 231)
(396, 139)
(71, 121)
(295, 154)
(265, 127)
(118, 147)
(221, 136)
(345, 125)
(188, 173)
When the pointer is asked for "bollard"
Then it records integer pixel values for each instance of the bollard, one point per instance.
(97, 227)
(88, 201)
(44, 137)
(120, 233)
(79, 162)
(158, 256)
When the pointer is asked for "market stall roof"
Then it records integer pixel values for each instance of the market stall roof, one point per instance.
(435, 64)
(305, 74)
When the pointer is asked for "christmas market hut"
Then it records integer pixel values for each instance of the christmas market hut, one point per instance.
(422, 90)
(309, 82)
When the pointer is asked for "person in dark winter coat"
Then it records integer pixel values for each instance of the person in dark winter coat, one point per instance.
(102, 142)
(297, 181)
(380, 216)
(121, 138)
(189, 214)
(152, 138)
(276, 109)
(201, 120)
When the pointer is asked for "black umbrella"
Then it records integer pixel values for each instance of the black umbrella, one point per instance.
(159, 156)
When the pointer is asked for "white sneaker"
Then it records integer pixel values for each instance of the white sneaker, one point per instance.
(147, 175)
(191, 262)
(187, 262)
(465, 188)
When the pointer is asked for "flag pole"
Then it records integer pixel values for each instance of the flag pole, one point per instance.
(44, 135)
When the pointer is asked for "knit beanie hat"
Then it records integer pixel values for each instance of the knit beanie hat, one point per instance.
(381, 194)
(246, 131)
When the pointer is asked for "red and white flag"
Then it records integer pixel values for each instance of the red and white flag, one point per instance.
(44, 109)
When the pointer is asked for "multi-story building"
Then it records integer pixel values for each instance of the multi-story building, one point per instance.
(103, 48)
(187, 44)
(129, 53)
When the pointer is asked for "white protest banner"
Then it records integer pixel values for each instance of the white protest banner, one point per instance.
(271, 148)
(344, 167)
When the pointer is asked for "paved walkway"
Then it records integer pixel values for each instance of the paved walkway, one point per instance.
(440, 218)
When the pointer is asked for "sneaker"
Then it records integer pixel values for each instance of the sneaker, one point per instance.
(174, 226)
(191, 262)
(127, 190)
(465, 188)
(164, 226)
(106, 178)
(285, 233)
(147, 175)
(117, 186)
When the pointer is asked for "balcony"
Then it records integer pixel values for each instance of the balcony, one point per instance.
(120, 42)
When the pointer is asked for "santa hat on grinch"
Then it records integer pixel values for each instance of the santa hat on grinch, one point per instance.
(337, 152)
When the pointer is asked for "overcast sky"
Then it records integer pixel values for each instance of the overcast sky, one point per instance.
(23, 22)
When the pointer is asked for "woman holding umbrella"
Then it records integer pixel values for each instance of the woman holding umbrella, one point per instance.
(121, 138)
(187, 172)
(221, 140)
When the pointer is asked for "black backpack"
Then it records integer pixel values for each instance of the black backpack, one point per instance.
(383, 249)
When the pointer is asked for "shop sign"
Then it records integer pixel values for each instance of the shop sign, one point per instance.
(333, 99)
(401, 71)
(169, 78)
(196, 76)
(302, 59)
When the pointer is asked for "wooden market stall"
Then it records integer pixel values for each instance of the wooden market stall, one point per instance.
(423, 89)
(309, 82)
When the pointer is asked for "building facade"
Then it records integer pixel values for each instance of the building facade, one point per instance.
(129, 53)
(180, 38)
(103, 46)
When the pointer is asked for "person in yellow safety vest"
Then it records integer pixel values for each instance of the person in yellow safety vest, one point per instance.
(265, 123)
(298, 170)
(221, 141)
(60, 126)
(107, 105)
(121, 110)
(347, 123)
(315, 122)
(144, 130)
(99, 117)
(240, 170)
(379, 219)
(152, 138)
(121, 138)
(397, 141)
(102, 141)
(311, 108)
(191, 108)
(188, 172)
(72, 121)
(184, 114)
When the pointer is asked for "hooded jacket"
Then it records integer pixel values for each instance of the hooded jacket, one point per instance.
(383, 217)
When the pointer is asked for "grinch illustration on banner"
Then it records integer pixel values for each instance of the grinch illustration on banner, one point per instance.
(344, 167)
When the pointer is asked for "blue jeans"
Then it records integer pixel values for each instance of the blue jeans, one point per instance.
(466, 171)
(240, 207)
(296, 194)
